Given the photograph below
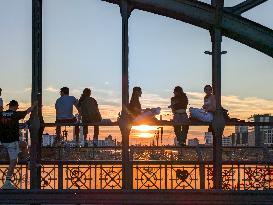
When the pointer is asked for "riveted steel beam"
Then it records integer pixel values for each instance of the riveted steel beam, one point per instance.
(245, 6)
(201, 14)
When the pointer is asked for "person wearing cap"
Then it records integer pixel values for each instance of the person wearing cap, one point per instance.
(64, 112)
(1, 101)
(9, 136)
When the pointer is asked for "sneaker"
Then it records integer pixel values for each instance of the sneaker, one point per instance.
(8, 185)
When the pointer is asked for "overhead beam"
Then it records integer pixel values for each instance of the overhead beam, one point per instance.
(245, 6)
(201, 14)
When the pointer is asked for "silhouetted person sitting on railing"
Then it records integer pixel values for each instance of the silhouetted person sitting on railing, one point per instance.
(64, 112)
(205, 114)
(90, 113)
(9, 136)
(138, 114)
(1, 101)
(179, 105)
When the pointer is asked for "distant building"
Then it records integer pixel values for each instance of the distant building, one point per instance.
(226, 141)
(193, 142)
(268, 137)
(259, 132)
(48, 140)
(208, 138)
(241, 137)
(108, 141)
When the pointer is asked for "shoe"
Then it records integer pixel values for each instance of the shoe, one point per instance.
(8, 185)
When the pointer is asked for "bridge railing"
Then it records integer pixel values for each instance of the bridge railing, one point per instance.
(147, 175)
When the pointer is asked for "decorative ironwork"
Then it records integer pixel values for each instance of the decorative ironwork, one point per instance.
(161, 175)
(78, 177)
(19, 178)
(110, 177)
(183, 177)
(257, 177)
(230, 177)
(49, 177)
(93, 177)
(149, 177)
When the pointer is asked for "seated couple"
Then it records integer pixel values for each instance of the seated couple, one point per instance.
(87, 108)
(179, 104)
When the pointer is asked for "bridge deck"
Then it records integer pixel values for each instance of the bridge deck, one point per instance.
(136, 197)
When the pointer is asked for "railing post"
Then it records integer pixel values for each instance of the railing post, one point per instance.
(125, 127)
(218, 121)
(202, 171)
(36, 95)
(60, 175)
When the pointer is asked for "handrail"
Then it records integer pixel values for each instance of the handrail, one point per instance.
(142, 162)
(160, 123)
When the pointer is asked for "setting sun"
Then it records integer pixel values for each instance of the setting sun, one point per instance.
(144, 128)
(145, 135)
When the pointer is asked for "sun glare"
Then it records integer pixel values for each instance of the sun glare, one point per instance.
(145, 135)
(144, 128)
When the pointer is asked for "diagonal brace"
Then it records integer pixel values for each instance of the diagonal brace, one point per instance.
(244, 6)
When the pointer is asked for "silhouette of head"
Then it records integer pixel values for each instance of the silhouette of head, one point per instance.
(208, 89)
(64, 91)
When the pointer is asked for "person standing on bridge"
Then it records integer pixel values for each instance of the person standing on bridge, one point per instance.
(179, 105)
(9, 136)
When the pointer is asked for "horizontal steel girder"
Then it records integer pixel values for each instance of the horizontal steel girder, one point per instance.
(201, 14)
(135, 197)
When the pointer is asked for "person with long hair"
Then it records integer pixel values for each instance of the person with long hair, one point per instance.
(179, 103)
(134, 105)
(135, 110)
(89, 112)
(205, 114)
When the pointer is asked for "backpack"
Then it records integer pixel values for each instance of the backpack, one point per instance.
(225, 114)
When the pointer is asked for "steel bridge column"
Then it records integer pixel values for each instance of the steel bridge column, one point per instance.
(36, 95)
(125, 127)
(218, 121)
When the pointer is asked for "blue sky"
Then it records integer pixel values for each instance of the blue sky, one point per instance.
(82, 48)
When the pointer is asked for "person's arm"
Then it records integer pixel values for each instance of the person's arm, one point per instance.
(212, 106)
(22, 114)
(76, 104)
(30, 109)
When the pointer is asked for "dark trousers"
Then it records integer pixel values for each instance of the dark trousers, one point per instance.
(181, 134)
(96, 132)
(181, 131)
(59, 129)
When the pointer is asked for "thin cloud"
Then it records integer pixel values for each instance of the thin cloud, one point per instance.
(27, 89)
(52, 89)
